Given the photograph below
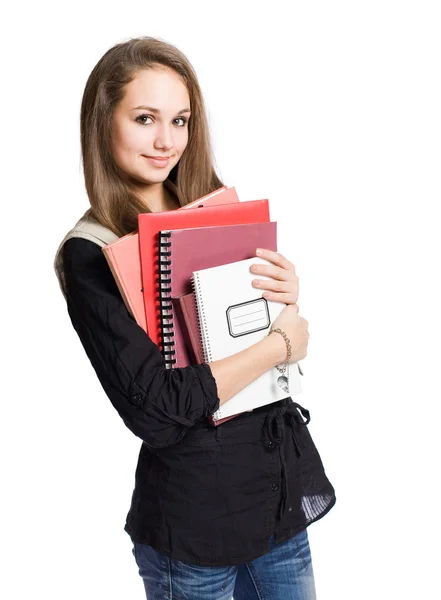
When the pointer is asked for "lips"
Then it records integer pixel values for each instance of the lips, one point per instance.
(158, 161)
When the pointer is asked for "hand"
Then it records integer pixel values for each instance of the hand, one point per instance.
(284, 285)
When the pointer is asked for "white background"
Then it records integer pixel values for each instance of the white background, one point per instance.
(332, 111)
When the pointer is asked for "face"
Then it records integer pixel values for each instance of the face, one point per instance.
(151, 121)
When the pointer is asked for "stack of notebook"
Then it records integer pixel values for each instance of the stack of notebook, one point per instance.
(125, 263)
(185, 277)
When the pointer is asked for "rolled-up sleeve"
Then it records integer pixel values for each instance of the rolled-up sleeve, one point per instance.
(157, 404)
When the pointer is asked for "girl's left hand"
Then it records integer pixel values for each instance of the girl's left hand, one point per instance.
(284, 287)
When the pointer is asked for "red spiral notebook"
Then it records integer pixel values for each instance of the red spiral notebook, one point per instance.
(150, 224)
(124, 261)
(188, 250)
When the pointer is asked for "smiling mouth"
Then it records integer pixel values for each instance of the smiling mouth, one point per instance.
(158, 162)
(158, 157)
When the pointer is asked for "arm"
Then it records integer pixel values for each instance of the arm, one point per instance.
(237, 371)
(157, 404)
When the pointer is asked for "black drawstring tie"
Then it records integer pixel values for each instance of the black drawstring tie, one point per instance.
(273, 434)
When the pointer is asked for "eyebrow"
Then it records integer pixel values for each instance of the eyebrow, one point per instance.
(156, 110)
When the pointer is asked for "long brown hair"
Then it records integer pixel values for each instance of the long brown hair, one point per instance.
(114, 202)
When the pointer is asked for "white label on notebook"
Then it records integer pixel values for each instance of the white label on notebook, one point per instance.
(248, 317)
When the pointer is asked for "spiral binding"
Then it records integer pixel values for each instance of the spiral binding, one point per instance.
(164, 296)
(203, 331)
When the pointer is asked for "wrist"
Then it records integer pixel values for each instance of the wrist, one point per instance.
(286, 340)
(276, 347)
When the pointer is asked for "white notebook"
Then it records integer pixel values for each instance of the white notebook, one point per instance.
(233, 316)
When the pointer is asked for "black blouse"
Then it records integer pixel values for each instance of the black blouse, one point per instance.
(205, 495)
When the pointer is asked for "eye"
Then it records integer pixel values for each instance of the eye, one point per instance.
(142, 117)
(139, 119)
(184, 121)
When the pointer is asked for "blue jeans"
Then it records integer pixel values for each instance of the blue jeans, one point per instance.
(285, 573)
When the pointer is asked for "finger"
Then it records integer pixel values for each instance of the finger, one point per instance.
(280, 297)
(274, 272)
(276, 258)
(275, 285)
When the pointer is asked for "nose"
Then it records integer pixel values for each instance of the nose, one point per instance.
(164, 138)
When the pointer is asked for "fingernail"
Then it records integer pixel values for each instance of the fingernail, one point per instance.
(258, 251)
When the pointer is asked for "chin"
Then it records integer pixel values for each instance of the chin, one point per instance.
(154, 177)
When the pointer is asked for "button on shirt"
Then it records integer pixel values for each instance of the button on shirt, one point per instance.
(205, 495)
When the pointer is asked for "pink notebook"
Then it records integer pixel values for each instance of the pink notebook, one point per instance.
(183, 251)
(186, 315)
(124, 260)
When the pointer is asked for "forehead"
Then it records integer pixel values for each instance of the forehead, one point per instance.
(162, 88)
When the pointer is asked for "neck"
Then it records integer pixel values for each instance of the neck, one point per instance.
(159, 198)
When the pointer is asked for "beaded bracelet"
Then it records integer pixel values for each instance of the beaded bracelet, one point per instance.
(283, 379)
(287, 341)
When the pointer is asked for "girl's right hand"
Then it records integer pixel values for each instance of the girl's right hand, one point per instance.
(296, 329)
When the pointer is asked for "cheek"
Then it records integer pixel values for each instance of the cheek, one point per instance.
(135, 141)
(126, 151)
(182, 141)
(129, 139)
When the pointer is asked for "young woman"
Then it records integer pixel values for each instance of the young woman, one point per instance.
(216, 511)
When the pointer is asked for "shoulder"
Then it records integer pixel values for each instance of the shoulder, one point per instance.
(87, 274)
(79, 252)
(84, 260)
